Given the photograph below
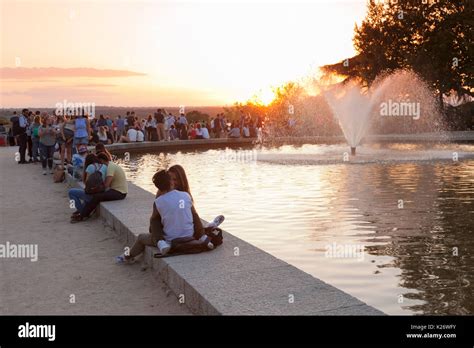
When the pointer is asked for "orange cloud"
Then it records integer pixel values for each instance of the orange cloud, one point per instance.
(34, 73)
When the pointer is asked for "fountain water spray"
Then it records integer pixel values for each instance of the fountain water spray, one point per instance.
(346, 101)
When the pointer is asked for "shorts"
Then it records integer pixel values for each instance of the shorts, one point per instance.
(68, 134)
(82, 140)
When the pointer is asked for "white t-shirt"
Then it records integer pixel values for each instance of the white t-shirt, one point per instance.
(169, 120)
(205, 133)
(198, 131)
(176, 216)
(140, 136)
(132, 134)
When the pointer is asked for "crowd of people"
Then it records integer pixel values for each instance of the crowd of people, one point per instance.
(65, 131)
(45, 137)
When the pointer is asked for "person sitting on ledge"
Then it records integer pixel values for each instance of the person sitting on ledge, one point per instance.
(168, 220)
(116, 188)
(173, 133)
(133, 135)
(78, 195)
(234, 132)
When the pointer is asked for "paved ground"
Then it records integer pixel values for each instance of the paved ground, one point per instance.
(73, 259)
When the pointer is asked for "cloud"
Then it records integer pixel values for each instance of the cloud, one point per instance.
(35, 73)
(56, 92)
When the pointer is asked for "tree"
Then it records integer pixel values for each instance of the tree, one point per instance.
(431, 37)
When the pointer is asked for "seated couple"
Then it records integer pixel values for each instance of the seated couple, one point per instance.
(114, 186)
(133, 135)
(174, 216)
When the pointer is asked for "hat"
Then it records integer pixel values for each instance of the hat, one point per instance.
(82, 149)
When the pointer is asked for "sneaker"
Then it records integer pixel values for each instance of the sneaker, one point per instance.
(121, 260)
(76, 218)
(205, 239)
(217, 221)
(51, 171)
(77, 212)
(163, 246)
(44, 172)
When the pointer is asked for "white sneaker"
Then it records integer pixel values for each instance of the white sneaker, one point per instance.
(163, 246)
(44, 172)
(217, 221)
(51, 171)
(121, 260)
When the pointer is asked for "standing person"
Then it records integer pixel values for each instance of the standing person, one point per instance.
(60, 137)
(29, 143)
(47, 140)
(19, 125)
(68, 133)
(34, 128)
(246, 130)
(116, 188)
(148, 128)
(82, 130)
(211, 126)
(120, 128)
(113, 129)
(217, 126)
(160, 124)
(129, 121)
(169, 121)
(183, 127)
(102, 121)
(109, 122)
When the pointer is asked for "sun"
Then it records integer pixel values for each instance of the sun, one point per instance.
(265, 96)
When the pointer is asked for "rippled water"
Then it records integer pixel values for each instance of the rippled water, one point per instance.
(413, 215)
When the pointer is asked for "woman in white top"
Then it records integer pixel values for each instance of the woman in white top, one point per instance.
(102, 135)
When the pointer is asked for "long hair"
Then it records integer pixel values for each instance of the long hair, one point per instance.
(90, 159)
(101, 148)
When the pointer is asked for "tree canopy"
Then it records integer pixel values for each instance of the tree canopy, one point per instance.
(431, 37)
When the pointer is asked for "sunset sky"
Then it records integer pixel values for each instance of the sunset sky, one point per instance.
(148, 53)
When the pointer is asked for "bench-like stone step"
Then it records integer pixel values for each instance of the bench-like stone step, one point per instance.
(236, 278)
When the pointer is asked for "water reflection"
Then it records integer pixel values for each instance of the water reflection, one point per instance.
(408, 216)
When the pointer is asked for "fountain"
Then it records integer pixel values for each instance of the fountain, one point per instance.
(352, 108)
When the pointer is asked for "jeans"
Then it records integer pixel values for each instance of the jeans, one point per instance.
(22, 141)
(79, 196)
(46, 153)
(110, 195)
(29, 144)
(35, 142)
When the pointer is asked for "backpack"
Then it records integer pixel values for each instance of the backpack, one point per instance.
(190, 245)
(16, 129)
(95, 182)
(59, 174)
